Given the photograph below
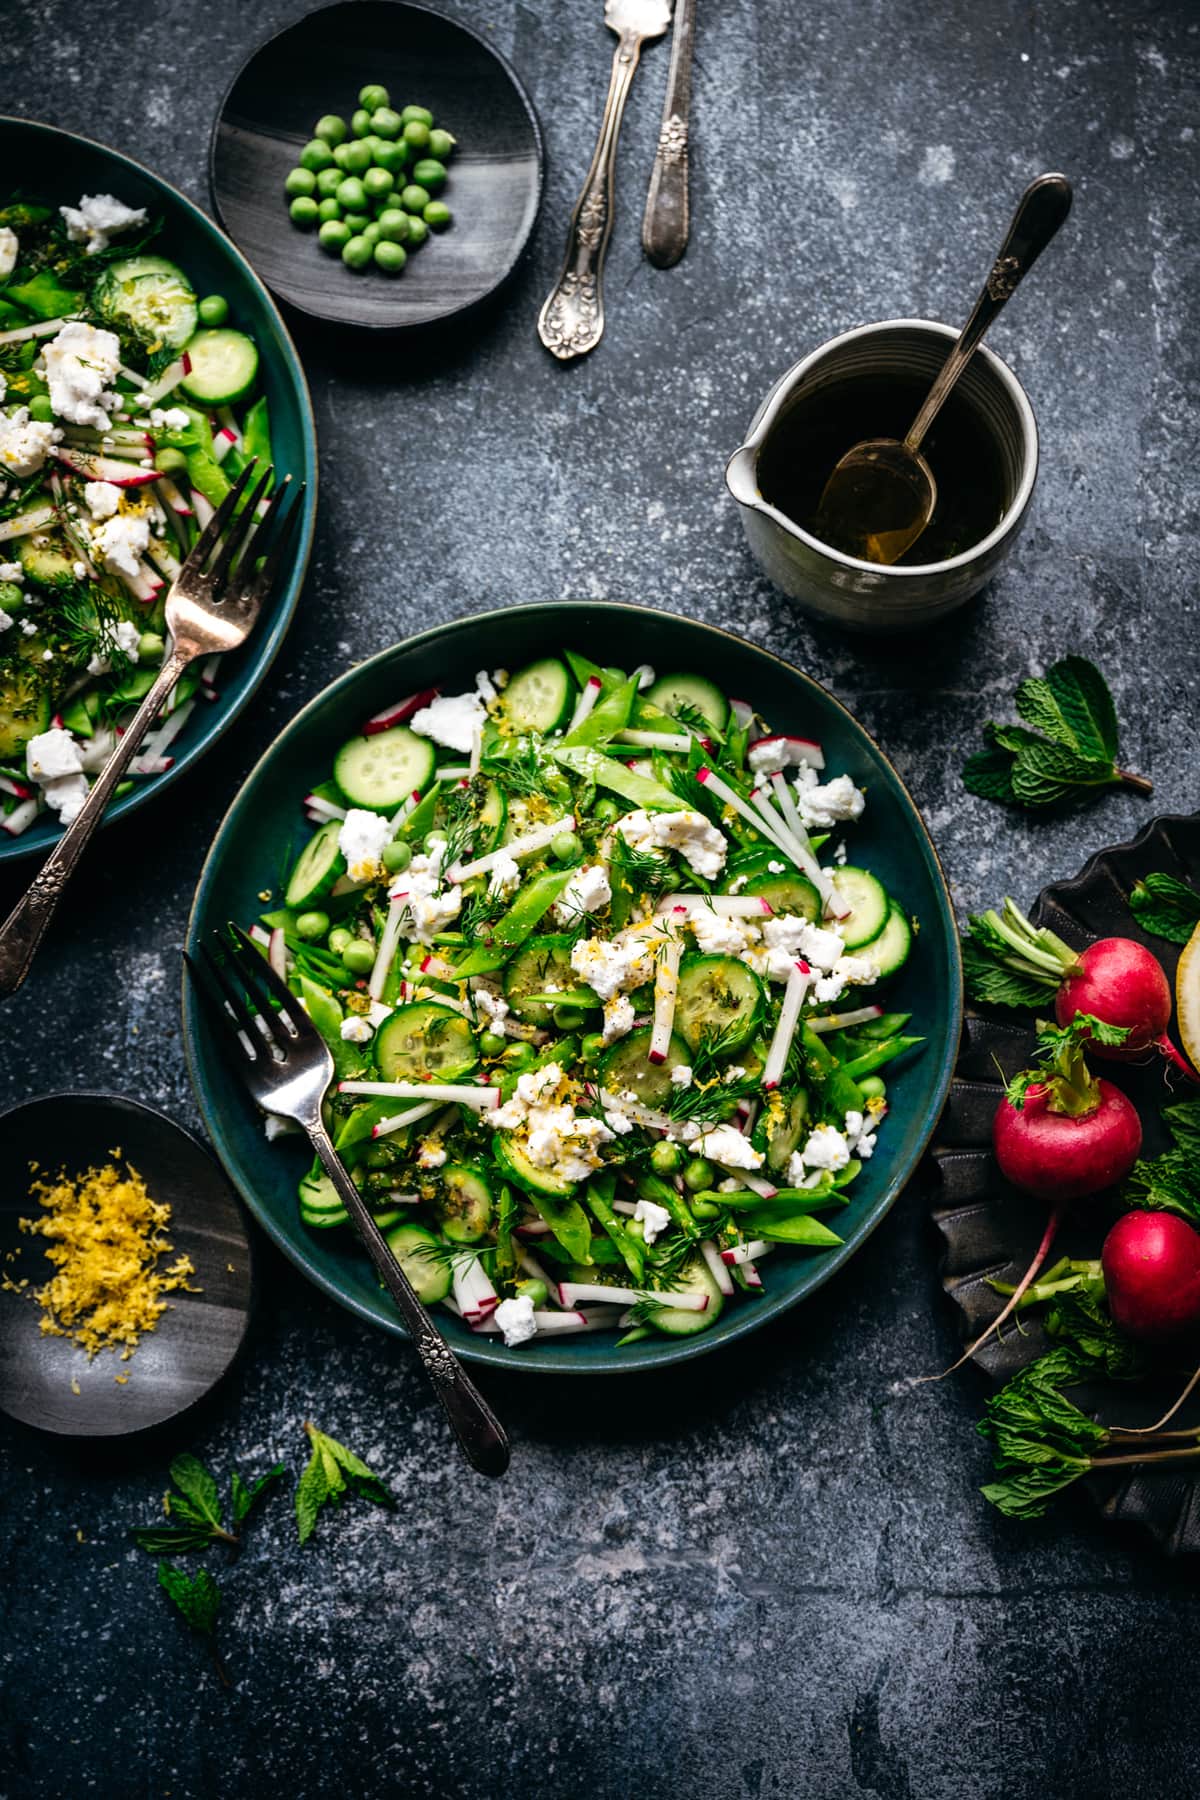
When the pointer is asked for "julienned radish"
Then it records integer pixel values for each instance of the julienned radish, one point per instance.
(1115, 980)
(1151, 1263)
(1062, 1133)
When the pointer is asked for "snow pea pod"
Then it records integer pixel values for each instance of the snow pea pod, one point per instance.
(567, 1220)
(256, 436)
(607, 717)
(326, 1014)
(604, 772)
(195, 441)
(663, 1194)
(632, 1251)
(518, 923)
(870, 1060)
(792, 1228)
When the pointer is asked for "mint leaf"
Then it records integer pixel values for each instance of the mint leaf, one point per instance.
(989, 983)
(1044, 773)
(333, 1470)
(1026, 1492)
(1011, 737)
(1038, 705)
(196, 1596)
(1183, 1122)
(1085, 702)
(1165, 906)
(245, 1499)
(172, 1540)
(201, 1502)
(312, 1491)
(989, 774)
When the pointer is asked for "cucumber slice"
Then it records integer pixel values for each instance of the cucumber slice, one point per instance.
(425, 1042)
(691, 693)
(513, 1162)
(868, 901)
(417, 1252)
(718, 998)
(320, 1203)
(627, 1067)
(538, 697)
(695, 1277)
(889, 951)
(318, 866)
(44, 562)
(24, 710)
(766, 874)
(150, 296)
(464, 1208)
(224, 366)
(493, 813)
(380, 772)
(540, 965)
(785, 1132)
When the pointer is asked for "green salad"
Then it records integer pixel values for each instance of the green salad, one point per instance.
(128, 404)
(598, 980)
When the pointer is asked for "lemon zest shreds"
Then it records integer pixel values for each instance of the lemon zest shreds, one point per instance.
(106, 1237)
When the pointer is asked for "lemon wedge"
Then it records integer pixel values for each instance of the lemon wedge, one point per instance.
(1187, 998)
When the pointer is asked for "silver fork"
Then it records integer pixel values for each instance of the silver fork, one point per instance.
(212, 605)
(287, 1068)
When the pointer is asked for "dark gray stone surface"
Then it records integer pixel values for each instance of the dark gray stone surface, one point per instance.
(772, 1575)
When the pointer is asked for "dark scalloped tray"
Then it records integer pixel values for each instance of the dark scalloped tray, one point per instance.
(989, 1230)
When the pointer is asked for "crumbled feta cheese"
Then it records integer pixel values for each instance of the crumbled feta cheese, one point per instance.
(11, 572)
(66, 796)
(847, 971)
(840, 853)
(431, 1153)
(860, 1136)
(821, 807)
(516, 1321)
(826, 1149)
(9, 249)
(102, 498)
(618, 1018)
(586, 892)
(120, 541)
(79, 570)
(432, 912)
(627, 962)
(654, 1219)
(81, 362)
(24, 442)
(542, 1114)
(29, 627)
(361, 840)
(735, 1072)
(490, 1003)
(357, 1030)
(717, 936)
(800, 937)
(173, 418)
(505, 877)
(485, 687)
(47, 656)
(700, 844)
(682, 1075)
(378, 1013)
(124, 637)
(51, 755)
(453, 720)
(274, 1127)
(5, 619)
(98, 218)
(727, 1145)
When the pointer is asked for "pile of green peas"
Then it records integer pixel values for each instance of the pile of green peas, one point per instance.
(370, 188)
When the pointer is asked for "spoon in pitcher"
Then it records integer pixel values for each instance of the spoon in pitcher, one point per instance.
(882, 494)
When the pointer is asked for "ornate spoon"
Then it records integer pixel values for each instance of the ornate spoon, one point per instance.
(572, 321)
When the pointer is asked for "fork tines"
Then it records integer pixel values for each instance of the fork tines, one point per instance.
(256, 1004)
(236, 536)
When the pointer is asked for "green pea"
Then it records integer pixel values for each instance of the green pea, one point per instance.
(339, 937)
(416, 133)
(492, 1044)
(377, 183)
(169, 462)
(429, 173)
(518, 1056)
(605, 810)
(358, 252)
(418, 231)
(591, 1046)
(374, 145)
(41, 410)
(331, 128)
(351, 194)
(329, 181)
(706, 1209)
(371, 233)
(360, 122)
(534, 1290)
(385, 123)
(394, 224)
(333, 236)
(357, 221)
(373, 96)
(304, 212)
(390, 256)
(328, 209)
(316, 155)
(665, 1158)
(421, 115)
(437, 215)
(569, 1018)
(312, 925)
(359, 956)
(391, 157)
(432, 839)
(872, 1087)
(697, 1174)
(614, 675)
(341, 157)
(414, 199)
(299, 183)
(151, 645)
(396, 856)
(567, 847)
(357, 159)
(441, 145)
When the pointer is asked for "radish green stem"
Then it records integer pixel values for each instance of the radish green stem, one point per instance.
(1039, 1257)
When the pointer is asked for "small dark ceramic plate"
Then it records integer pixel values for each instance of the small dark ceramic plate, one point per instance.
(990, 1231)
(199, 1335)
(423, 58)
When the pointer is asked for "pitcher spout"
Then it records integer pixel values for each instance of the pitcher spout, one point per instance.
(741, 475)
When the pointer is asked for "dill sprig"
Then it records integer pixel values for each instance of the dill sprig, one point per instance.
(518, 770)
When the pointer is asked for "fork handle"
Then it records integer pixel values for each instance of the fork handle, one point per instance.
(479, 1432)
(665, 221)
(25, 926)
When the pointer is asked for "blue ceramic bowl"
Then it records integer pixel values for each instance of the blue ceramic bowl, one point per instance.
(60, 166)
(263, 828)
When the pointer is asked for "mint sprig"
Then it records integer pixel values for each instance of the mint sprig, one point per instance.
(1165, 906)
(333, 1472)
(1067, 745)
(193, 1506)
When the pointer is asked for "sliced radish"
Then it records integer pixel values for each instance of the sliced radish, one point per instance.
(743, 713)
(585, 702)
(21, 332)
(725, 906)
(318, 807)
(745, 1253)
(20, 818)
(204, 509)
(260, 935)
(398, 713)
(398, 1121)
(785, 1030)
(484, 1098)
(173, 498)
(667, 741)
(666, 990)
(793, 750)
(577, 1293)
(277, 953)
(167, 382)
(24, 523)
(716, 1267)
(223, 442)
(529, 845)
(861, 1015)
(102, 468)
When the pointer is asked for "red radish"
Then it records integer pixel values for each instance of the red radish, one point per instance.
(1116, 981)
(399, 712)
(788, 752)
(1151, 1263)
(103, 468)
(1061, 1133)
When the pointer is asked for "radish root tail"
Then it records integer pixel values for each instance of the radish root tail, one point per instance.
(1030, 1275)
(1142, 1430)
(1176, 1058)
